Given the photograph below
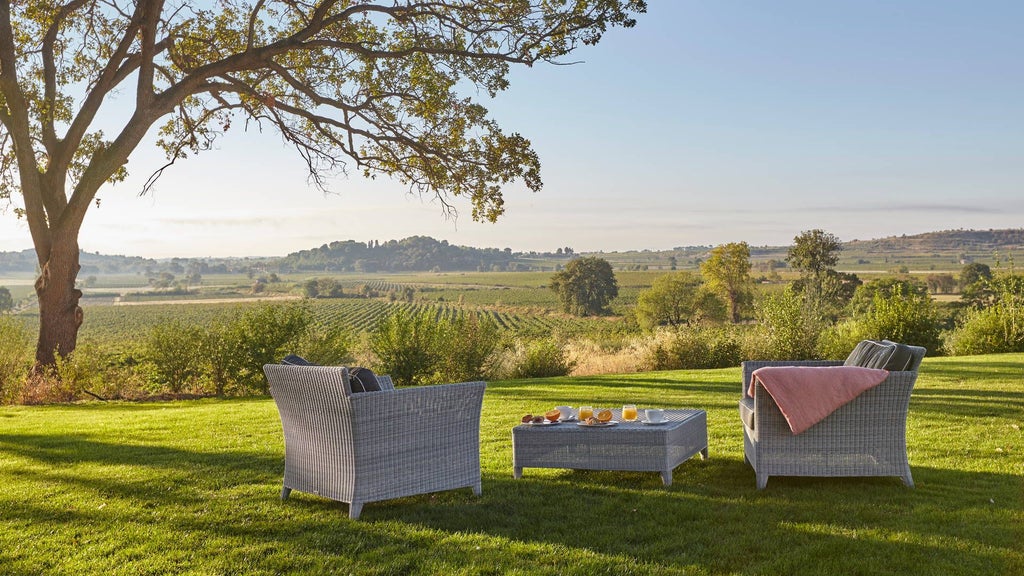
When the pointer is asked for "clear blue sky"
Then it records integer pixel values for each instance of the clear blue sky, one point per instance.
(710, 122)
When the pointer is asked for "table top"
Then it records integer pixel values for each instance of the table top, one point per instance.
(674, 417)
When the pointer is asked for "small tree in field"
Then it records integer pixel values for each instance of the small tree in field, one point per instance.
(586, 286)
(371, 84)
(6, 301)
(727, 272)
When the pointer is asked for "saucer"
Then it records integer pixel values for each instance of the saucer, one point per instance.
(649, 423)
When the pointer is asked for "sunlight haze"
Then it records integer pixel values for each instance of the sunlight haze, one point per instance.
(710, 122)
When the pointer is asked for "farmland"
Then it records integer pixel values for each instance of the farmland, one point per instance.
(518, 302)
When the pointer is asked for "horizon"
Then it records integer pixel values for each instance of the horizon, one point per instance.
(767, 247)
(865, 120)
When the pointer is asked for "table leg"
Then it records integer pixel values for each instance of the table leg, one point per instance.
(666, 477)
(704, 453)
(517, 472)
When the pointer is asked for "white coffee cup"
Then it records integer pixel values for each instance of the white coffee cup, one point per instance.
(567, 412)
(654, 414)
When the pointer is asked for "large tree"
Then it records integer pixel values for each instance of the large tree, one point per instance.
(727, 272)
(350, 84)
(675, 299)
(586, 286)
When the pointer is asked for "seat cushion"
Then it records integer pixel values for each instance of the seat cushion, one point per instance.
(747, 411)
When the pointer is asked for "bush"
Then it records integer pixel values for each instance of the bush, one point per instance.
(993, 330)
(906, 317)
(467, 348)
(16, 357)
(406, 346)
(326, 345)
(539, 359)
(229, 353)
(787, 328)
(93, 370)
(263, 335)
(175, 351)
(689, 347)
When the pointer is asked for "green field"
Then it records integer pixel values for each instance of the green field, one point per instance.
(192, 488)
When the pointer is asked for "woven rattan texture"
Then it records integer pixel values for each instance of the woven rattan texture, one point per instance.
(375, 446)
(866, 437)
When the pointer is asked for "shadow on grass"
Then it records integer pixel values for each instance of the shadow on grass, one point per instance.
(711, 520)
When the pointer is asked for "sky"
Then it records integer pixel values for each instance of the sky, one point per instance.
(707, 123)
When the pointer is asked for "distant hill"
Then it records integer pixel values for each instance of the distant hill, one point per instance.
(962, 240)
(422, 253)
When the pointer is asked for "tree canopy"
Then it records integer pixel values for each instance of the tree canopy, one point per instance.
(727, 272)
(814, 252)
(675, 299)
(351, 85)
(586, 286)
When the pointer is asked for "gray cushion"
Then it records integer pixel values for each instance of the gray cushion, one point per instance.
(870, 354)
(363, 380)
(747, 411)
(901, 358)
(293, 360)
(913, 354)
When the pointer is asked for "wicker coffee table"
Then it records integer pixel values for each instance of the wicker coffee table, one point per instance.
(625, 446)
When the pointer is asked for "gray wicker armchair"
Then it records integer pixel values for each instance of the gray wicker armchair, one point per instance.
(866, 437)
(374, 446)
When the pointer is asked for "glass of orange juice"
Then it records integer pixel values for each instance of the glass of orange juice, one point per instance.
(629, 412)
(585, 412)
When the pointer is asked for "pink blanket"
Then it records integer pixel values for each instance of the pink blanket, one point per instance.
(807, 394)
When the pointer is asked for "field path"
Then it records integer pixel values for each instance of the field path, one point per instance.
(119, 302)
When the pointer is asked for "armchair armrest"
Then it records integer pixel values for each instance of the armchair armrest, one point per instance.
(750, 365)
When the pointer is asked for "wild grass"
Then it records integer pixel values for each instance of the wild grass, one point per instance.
(192, 488)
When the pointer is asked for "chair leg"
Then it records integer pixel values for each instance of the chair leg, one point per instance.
(762, 481)
(477, 489)
(354, 510)
(908, 480)
(285, 491)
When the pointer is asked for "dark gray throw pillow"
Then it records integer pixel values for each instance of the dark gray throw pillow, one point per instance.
(870, 354)
(363, 380)
(293, 360)
(901, 358)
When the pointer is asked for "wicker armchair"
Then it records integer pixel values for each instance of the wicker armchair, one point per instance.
(866, 437)
(374, 446)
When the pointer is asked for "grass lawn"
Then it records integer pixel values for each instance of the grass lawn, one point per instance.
(192, 487)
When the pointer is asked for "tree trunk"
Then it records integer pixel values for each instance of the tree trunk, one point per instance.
(60, 316)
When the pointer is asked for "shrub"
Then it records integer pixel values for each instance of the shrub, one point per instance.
(788, 328)
(327, 345)
(16, 357)
(467, 348)
(694, 347)
(230, 352)
(993, 330)
(540, 359)
(406, 345)
(174, 349)
(261, 335)
(907, 317)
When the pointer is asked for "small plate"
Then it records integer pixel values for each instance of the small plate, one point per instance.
(599, 424)
(544, 423)
(649, 423)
